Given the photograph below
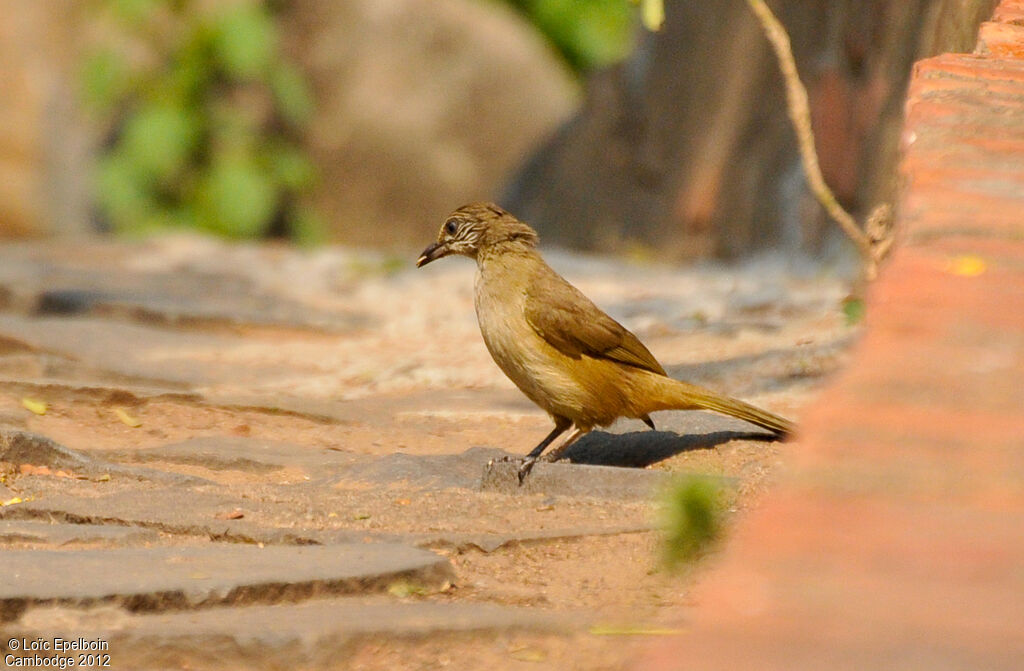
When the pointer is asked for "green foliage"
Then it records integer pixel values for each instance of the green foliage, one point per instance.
(203, 115)
(694, 515)
(588, 33)
(853, 309)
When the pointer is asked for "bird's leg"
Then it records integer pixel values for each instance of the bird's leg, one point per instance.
(561, 425)
(556, 454)
(531, 458)
(559, 429)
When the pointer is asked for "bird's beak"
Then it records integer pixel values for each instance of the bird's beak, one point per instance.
(432, 253)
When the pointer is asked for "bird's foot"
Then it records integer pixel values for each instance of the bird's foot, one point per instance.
(525, 468)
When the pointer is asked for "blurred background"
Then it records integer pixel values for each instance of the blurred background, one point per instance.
(366, 121)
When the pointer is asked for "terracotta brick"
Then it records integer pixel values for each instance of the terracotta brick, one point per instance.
(969, 66)
(1002, 40)
(896, 537)
(1009, 11)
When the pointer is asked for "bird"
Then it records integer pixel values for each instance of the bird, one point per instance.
(564, 353)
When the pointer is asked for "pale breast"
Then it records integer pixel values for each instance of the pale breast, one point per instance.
(547, 377)
(509, 339)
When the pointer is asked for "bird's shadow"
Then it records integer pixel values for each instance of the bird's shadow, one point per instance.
(639, 449)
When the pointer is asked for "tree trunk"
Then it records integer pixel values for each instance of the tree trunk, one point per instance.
(687, 148)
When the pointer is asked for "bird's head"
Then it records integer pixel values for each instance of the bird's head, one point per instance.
(476, 227)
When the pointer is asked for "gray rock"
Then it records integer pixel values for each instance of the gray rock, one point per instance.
(252, 455)
(477, 91)
(424, 471)
(22, 447)
(6, 493)
(593, 466)
(141, 353)
(12, 531)
(158, 296)
(630, 443)
(190, 577)
(561, 479)
(73, 384)
(462, 542)
(176, 510)
(313, 634)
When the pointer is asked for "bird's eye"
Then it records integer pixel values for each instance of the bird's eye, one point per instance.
(450, 227)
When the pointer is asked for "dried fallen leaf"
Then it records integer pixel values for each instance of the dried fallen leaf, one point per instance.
(652, 14)
(11, 502)
(235, 514)
(967, 265)
(403, 502)
(34, 405)
(31, 469)
(528, 654)
(599, 630)
(404, 589)
(130, 420)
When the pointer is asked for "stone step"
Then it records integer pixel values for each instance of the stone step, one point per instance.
(175, 578)
(313, 634)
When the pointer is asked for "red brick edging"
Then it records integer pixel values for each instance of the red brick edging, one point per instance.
(896, 538)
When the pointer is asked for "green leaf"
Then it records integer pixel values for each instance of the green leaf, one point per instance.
(104, 78)
(236, 198)
(246, 39)
(133, 11)
(159, 138)
(306, 228)
(292, 94)
(291, 167)
(121, 191)
(854, 310)
(191, 69)
(590, 33)
(694, 509)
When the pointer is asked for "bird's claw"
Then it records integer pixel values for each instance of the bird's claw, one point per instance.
(525, 468)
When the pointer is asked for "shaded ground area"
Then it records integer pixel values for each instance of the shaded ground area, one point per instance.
(258, 457)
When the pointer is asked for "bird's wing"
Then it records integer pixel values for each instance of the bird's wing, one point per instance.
(573, 325)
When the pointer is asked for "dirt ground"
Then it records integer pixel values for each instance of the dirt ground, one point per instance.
(393, 377)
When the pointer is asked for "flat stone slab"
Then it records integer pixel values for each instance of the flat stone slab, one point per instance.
(25, 531)
(562, 479)
(312, 634)
(437, 471)
(189, 577)
(489, 542)
(171, 509)
(169, 297)
(230, 453)
(142, 353)
(24, 447)
(630, 443)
